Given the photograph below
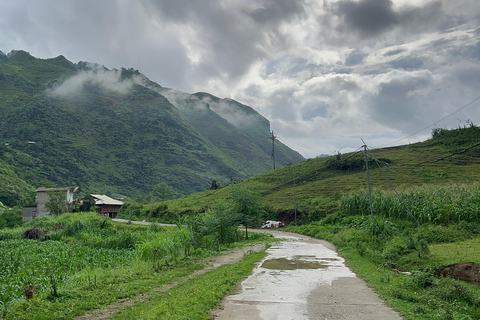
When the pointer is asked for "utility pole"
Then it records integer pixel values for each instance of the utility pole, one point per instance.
(273, 137)
(294, 195)
(368, 177)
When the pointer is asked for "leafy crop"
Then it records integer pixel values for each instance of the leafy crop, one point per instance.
(45, 265)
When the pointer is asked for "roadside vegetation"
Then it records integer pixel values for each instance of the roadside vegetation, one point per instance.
(402, 251)
(58, 268)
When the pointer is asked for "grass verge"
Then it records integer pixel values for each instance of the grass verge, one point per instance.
(380, 254)
(84, 292)
(195, 298)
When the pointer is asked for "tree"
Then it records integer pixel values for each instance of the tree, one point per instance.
(57, 202)
(3, 223)
(88, 202)
(247, 207)
(10, 217)
(163, 191)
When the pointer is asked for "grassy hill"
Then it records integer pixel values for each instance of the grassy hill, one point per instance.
(449, 157)
(114, 132)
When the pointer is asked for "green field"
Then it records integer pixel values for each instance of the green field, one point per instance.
(58, 268)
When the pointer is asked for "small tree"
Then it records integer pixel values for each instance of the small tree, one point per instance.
(88, 202)
(57, 202)
(163, 191)
(3, 223)
(246, 207)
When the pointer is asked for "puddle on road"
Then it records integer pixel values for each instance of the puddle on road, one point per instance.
(287, 264)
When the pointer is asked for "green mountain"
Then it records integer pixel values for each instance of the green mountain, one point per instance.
(116, 132)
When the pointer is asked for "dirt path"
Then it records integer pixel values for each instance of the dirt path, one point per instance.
(210, 263)
(145, 223)
(303, 278)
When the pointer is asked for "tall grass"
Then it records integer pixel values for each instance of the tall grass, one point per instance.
(424, 205)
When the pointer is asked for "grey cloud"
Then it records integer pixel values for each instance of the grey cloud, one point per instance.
(396, 105)
(277, 11)
(314, 110)
(332, 86)
(471, 51)
(467, 75)
(281, 102)
(355, 57)
(368, 17)
(394, 52)
(407, 63)
(228, 41)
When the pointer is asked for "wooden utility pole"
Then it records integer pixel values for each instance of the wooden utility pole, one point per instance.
(294, 195)
(368, 178)
(273, 137)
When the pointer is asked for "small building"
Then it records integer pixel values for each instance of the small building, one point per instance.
(107, 206)
(43, 196)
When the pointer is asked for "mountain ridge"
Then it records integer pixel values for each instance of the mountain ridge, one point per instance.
(117, 132)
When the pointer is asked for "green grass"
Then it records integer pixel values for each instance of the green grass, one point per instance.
(95, 288)
(457, 252)
(195, 298)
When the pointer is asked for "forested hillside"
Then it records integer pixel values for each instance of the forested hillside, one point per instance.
(115, 132)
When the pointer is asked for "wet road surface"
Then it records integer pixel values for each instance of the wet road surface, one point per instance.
(303, 278)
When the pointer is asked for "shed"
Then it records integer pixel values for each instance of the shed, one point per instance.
(107, 206)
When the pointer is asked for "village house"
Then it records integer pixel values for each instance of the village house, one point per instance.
(43, 196)
(107, 206)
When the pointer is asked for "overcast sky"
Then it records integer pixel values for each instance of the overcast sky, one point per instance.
(325, 73)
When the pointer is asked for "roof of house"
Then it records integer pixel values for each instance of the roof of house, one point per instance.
(73, 189)
(103, 199)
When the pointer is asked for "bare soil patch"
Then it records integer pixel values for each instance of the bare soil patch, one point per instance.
(468, 272)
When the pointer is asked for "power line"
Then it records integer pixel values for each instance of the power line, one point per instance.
(443, 158)
(433, 124)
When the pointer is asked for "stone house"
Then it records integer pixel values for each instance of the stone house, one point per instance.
(40, 209)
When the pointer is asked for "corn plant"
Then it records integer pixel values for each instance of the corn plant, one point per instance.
(425, 205)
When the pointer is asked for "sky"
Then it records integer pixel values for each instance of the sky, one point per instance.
(325, 73)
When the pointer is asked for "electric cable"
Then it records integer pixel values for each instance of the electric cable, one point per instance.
(447, 116)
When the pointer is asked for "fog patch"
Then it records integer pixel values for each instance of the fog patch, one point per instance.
(233, 112)
(183, 101)
(110, 80)
(235, 115)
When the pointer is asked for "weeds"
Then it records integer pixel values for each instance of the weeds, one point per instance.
(398, 257)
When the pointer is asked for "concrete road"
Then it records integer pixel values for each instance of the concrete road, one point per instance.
(303, 278)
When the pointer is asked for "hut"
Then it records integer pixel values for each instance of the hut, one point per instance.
(107, 206)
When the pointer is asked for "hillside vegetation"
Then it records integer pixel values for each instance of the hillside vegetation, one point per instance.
(118, 133)
(449, 157)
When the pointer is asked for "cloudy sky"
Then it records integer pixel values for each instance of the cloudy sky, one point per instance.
(326, 73)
